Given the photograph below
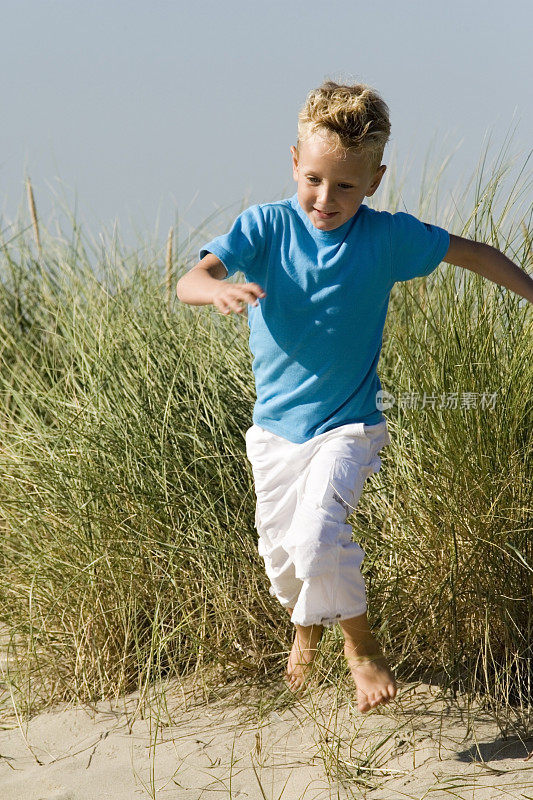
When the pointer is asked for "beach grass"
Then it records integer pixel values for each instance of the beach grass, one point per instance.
(129, 551)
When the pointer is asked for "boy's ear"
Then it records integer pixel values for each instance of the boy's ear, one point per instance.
(294, 153)
(376, 181)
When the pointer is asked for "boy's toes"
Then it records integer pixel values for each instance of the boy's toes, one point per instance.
(384, 696)
(363, 702)
(288, 678)
(367, 702)
(389, 693)
(292, 682)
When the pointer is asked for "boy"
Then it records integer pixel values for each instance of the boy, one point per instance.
(320, 267)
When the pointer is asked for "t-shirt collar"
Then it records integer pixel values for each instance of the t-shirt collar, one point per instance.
(335, 235)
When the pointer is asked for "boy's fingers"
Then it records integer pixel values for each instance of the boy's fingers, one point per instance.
(239, 297)
(240, 300)
(253, 294)
(236, 305)
(254, 289)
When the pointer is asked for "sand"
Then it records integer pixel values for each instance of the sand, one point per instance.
(217, 744)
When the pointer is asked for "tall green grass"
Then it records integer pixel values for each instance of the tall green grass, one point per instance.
(129, 551)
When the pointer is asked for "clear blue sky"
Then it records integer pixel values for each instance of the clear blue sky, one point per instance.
(150, 110)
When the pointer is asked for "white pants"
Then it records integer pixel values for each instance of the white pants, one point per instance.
(305, 492)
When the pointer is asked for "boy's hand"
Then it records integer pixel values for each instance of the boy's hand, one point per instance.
(229, 296)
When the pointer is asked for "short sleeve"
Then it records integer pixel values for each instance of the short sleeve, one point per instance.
(417, 248)
(242, 245)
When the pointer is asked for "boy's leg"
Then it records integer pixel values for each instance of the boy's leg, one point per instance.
(371, 674)
(304, 650)
(319, 538)
(277, 469)
(278, 472)
(344, 473)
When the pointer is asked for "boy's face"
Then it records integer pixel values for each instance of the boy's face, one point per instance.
(334, 183)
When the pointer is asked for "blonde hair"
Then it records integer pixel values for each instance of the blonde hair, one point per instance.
(350, 117)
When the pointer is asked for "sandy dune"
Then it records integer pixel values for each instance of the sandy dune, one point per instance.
(219, 746)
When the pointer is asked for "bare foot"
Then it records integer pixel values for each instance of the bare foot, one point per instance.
(372, 676)
(302, 655)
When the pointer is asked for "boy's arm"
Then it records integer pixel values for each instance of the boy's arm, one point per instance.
(489, 262)
(203, 284)
(196, 286)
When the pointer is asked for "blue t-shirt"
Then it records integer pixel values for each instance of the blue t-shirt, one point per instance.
(316, 337)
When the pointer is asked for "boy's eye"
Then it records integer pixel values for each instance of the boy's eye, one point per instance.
(312, 179)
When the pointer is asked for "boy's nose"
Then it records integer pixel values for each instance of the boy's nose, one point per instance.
(325, 195)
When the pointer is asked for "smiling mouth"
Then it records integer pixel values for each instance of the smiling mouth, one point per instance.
(324, 214)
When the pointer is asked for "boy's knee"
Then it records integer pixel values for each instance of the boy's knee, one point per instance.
(315, 539)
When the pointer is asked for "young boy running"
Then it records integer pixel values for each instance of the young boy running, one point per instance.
(320, 267)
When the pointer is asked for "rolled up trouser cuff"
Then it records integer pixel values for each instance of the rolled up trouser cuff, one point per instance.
(315, 602)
